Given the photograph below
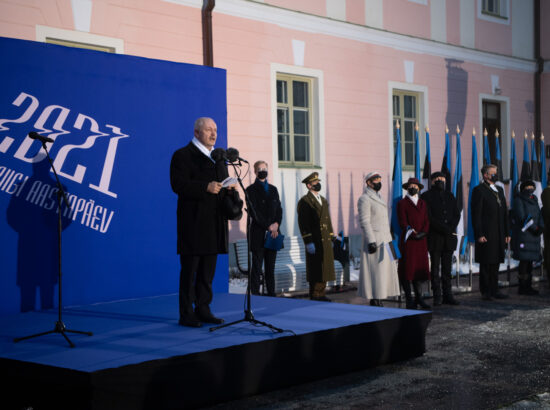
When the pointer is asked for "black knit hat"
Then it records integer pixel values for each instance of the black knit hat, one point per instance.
(527, 183)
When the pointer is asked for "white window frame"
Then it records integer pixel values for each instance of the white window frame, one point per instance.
(423, 120)
(44, 32)
(505, 132)
(503, 18)
(318, 159)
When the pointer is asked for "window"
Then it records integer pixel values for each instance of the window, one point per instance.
(405, 110)
(77, 44)
(294, 120)
(495, 8)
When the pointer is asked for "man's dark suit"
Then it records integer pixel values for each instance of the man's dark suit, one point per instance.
(444, 217)
(489, 219)
(201, 225)
(268, 211)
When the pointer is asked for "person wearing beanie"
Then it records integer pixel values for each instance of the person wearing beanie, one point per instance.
(378, 272)
(527, 226)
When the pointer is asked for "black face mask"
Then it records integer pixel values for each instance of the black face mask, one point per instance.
(412, 191)
(494, 178)
(262, 174)
(528, 191)
(377, 186)
(316, 187)
(439, 185)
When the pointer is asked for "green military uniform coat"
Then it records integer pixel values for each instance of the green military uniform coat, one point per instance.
(315, 226)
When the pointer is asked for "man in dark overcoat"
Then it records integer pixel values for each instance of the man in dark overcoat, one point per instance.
(316, 229)
(266, 220)
(491, 230)
(201, 224)
(444, 217)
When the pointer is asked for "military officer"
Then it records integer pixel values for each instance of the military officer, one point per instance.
(316, 229)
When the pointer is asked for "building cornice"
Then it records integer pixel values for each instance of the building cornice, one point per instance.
(304, 22)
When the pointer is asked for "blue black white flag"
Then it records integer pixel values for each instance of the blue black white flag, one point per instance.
(526, 165)
(427, 171)
(474, 181)
(458, 192)
(397, 188)
(446, 165)
(514, 175)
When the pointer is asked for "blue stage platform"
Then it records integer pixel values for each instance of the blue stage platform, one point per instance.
(139, 357)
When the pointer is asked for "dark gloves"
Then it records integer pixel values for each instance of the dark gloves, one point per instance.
(535, 230)
(372, 247)
(419, 235)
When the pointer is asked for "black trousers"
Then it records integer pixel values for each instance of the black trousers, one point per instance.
(266, 257)
(441, 282)
(196, 275)
(525, 270)
(488, 278)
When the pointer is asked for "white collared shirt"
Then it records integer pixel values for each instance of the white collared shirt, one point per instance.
(413, 198)
(318, 198)
(202, 148)
(493, 187)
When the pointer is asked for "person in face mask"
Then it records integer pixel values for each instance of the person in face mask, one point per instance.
(444, 217)
(378, 272)
(413, 267)
(491, 230)
(264, 197)
(316, 229)
(527, 226)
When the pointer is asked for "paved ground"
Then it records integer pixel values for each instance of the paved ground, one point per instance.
(480, 355)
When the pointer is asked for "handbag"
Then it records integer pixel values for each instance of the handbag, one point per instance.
(274, 243)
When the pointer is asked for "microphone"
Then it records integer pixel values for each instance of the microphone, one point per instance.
(233, 155)
(218, 154)
(36, 136)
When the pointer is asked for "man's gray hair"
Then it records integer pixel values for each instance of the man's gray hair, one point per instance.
(199, 122)
(486, 168)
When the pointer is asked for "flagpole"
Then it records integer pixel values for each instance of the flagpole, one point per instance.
(474, 181)
(458, 181)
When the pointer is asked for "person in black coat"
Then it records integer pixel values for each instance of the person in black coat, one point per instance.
(201, 223)
(490, 222)
(527, 226)
(444, 217)
(264, 197)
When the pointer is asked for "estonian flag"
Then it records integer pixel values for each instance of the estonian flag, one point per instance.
(416, 154)
(486, 151)
(427, 171)
(498, 160)
(397, 188)
(525, 166)
(474, 181)
(446, 165)
(535, 170)
(513, 171)
(458, 193)
(543, 174)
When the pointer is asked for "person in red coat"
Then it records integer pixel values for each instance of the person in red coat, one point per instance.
(413, 268)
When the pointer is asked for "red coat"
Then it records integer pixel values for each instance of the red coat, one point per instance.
(413, 264)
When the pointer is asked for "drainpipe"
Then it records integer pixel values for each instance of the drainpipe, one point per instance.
(207, 48)
(538, 74)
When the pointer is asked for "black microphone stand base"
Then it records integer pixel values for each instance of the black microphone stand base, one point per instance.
(59, 328)
(248, 317)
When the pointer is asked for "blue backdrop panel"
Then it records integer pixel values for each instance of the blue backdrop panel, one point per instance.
(116, 121)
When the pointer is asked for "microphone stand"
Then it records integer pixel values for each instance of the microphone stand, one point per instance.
(59, 325)
(248, 315)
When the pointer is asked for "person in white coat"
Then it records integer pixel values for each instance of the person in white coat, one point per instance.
(378, 273)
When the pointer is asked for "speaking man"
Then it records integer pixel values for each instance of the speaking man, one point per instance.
(490, 222)
(201, 223)
(316, 229)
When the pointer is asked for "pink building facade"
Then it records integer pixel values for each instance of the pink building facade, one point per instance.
(317, 85)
